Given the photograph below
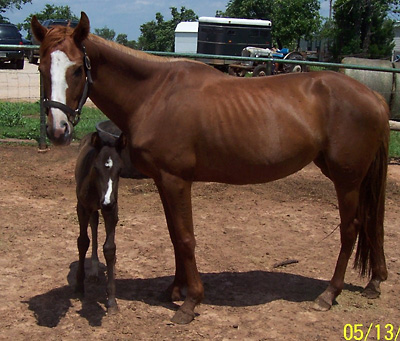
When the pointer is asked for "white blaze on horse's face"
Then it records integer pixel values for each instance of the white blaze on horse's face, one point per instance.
(58, 70)
(107, 197)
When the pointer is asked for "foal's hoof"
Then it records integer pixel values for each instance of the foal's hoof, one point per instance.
(372, 290)
(183, 317)
(79, 290)
(112, 310)
(320, 304)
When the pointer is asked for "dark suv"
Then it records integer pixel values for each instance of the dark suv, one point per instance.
(33, 55)
(9, 35)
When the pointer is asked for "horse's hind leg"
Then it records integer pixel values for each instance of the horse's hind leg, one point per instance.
(94, 267)
(109, 250)
(83, 245)
(348, 203)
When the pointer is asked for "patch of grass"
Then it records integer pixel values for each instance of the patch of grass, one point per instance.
(22, 121)
(394, 146)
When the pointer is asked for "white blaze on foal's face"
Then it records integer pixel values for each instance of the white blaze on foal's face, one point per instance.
(58, 70)
(107, 197)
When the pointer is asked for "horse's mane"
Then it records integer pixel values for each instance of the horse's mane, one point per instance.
(135, 53)
(58, 34)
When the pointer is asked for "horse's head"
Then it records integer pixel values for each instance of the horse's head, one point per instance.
(107, 168)
(65, 70)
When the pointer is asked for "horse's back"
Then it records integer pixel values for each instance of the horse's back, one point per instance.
(221, 128)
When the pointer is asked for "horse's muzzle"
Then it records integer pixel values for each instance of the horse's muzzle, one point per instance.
(60, 134)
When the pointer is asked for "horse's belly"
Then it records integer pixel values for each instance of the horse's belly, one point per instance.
(243, 171)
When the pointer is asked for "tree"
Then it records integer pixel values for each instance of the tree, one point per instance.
(105, 32)
(362, 28)
(9, 4)
(109, 34)
(49, 12)
(159, 35)
(291, 20)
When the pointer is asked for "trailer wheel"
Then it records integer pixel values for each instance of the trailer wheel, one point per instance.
(260, 71)
(288, 68)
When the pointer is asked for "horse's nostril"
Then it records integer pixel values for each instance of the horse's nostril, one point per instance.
(65, 126)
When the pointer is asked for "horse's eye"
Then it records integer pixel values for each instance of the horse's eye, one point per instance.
(78, 72)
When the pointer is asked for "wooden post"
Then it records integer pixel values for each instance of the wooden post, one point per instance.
(42, 138)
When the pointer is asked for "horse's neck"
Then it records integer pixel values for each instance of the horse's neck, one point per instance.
(120, 82)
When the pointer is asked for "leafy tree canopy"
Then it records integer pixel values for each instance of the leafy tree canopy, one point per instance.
(49, 12)
(9, 4)
(159, 34)
(363, 28)
(291, 20)
(105, 33)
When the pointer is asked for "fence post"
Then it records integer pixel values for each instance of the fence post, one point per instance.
(42, 137)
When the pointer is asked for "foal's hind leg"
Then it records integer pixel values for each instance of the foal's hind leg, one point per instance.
(109, 250)
(94, 267)
(348, 203)
(83, 245)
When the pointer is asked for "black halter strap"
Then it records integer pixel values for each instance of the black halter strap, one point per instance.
(75, 115)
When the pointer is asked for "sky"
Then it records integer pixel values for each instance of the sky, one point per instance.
(126, 16)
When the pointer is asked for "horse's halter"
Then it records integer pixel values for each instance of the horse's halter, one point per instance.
(75, 115)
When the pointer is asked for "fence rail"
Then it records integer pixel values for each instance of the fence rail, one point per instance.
(36, 83)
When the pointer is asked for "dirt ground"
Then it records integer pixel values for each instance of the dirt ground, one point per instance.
(242, 232)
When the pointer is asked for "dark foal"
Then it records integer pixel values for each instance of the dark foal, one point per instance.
(97, 175)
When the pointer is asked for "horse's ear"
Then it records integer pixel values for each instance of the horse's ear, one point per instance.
(96, 141)
(38, 29)
(81, 31)
(121, 142)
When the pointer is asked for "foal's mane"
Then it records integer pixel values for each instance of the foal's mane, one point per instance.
(58, 34)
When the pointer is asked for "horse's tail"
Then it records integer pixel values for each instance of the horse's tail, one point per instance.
(371, 211)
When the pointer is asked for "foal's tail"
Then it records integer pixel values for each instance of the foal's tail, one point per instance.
(371, 211)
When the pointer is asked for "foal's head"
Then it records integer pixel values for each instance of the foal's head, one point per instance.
(106, 168)
(65, 69)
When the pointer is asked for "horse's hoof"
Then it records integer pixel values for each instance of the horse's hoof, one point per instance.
(183, 317)
(372, 290)
(320, 304)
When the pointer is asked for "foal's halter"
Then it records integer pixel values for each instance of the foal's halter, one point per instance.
(75, 115)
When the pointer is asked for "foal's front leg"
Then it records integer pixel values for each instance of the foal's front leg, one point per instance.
(109, 250)
(176, 194)
(83, 245)
(94, 266)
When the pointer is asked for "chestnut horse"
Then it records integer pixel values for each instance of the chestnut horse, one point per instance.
(97, 172)
(186, 122)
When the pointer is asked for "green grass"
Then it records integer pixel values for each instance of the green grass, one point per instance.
(22, 121)
(394, 146)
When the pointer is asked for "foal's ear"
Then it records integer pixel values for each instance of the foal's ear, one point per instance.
(38, 29)
(96, 141)
(121, 142)
(81, 31)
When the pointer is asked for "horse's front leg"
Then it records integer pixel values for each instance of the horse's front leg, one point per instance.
(174, 291)
(94, 267)
(176, 195)
(109, 250)
(83, 245)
